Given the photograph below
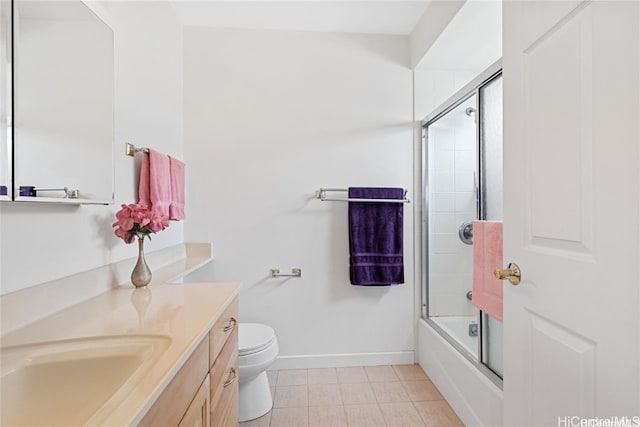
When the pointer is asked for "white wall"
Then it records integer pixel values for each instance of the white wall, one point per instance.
(270, 117)
(42, 242)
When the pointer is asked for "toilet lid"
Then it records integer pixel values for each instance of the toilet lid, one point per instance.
(253, 337)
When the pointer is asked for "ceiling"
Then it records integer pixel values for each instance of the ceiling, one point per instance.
(364, 16)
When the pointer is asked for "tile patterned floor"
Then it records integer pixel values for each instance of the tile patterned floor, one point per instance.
(385, 396)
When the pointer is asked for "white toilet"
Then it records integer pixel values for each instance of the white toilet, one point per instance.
(258, 348)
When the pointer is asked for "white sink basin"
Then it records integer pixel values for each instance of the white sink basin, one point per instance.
(69, 382)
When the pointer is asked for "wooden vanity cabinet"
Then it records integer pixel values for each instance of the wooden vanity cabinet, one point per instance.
(204, 392)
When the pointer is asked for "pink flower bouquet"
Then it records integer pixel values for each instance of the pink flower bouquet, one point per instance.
(138, 221)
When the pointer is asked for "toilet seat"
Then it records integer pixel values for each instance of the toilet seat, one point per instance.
(253, 338)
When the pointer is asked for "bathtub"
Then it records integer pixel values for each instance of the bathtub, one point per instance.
(458, 328)
(475, 398)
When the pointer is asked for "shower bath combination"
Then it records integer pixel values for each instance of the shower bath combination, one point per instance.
(462, 182)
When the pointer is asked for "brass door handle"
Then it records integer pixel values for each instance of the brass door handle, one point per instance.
(512, 274)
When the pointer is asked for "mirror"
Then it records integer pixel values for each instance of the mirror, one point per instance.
(63, 103)
(5, 101)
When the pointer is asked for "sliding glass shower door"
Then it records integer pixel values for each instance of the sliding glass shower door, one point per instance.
(452, 177)
(463, 182)
(490, 132)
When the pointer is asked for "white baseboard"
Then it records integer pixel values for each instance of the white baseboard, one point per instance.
(343, 360)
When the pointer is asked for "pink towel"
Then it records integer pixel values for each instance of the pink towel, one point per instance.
(154, 189)
(176, 209)
(487, 257)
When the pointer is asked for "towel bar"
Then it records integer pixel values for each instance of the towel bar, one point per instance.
(68, 193)
(295, 272)
(321, 194)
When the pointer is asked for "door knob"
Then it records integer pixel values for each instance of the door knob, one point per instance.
(512, 274)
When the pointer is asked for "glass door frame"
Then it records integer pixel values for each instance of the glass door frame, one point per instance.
(462, 95)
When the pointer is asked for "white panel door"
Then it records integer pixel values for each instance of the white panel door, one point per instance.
(571, 197)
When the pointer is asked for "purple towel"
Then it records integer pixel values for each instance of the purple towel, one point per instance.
(375, 237)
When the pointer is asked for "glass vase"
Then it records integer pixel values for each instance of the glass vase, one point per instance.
(141, 274)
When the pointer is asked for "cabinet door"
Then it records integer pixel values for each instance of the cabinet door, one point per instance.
(197, 414)
(231, 418)
(170, 406)
(224, 385)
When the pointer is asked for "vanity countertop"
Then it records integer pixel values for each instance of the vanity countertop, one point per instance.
(181, 313)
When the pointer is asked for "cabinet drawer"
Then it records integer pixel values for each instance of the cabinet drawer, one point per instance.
(224, 382)
(176, 397)
(222, 329)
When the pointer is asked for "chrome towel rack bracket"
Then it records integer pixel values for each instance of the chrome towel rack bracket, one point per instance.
(131, 150)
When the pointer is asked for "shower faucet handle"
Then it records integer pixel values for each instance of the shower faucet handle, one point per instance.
(465, 232)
